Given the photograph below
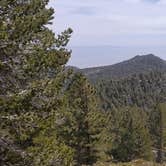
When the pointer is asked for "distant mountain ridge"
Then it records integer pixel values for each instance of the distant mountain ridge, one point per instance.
(138, 64)
(139, 81)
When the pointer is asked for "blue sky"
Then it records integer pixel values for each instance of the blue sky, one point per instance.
(139, 24)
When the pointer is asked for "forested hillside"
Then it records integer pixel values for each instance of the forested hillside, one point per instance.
(138, 64)
(137, 83)
(41, 124)
(52, 115)
(144, 90)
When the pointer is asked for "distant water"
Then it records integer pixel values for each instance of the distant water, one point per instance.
(83, 56)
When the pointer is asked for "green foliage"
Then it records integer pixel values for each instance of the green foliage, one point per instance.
(52, 117)
(131, 137)
(144, 90)
(33, 80)
(158, 130)
(84, 123)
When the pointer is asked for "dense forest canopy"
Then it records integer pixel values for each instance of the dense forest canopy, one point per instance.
(52, 115)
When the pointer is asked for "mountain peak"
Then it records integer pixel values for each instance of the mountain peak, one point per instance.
(138, 64)
(148, 56)
(149, 59)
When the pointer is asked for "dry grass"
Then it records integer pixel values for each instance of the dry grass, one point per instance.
(134, 163)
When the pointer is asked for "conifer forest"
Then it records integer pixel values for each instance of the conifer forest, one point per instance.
(52, 114)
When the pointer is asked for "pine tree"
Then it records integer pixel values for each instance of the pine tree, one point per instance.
(158, 130)
(131, 137)
(84, 122)
(31, 94)
(27, 46)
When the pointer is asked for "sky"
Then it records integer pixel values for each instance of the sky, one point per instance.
(109, 31)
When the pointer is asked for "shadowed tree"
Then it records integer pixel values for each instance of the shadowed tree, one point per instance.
(158, 130)
(131, 137)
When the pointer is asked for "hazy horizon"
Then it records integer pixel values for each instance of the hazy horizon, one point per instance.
(93, 56)
(110, 31)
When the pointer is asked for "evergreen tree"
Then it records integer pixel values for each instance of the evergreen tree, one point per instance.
(131, 138)
(31, 94)
(84, 122)
(158, 130)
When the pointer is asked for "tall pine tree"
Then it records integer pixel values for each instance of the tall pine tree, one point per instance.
(158, 130)
(31, 85)
(84, 122)
(131, 139)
